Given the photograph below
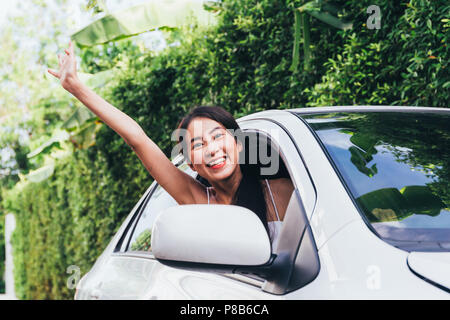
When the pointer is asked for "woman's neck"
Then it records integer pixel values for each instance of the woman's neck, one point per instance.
(225, 190)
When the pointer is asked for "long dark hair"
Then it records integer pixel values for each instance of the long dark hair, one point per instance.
(249, 193)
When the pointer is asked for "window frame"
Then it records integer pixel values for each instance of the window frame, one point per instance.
(304, 188)
(127, 241)
(119, 247)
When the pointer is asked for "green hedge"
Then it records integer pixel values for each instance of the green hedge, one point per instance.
(242, 64)
(66, 220)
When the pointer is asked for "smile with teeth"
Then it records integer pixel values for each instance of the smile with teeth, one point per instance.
(217, 163)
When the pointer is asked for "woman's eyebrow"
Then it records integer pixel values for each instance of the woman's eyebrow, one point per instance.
(216, 128)
(211, 131)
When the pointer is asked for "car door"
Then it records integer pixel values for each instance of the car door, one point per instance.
(132, 272)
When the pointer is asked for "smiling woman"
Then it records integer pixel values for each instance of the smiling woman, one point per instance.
(210, 143)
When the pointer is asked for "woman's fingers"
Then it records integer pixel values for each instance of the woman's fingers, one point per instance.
(60, 60)
(71, 49)
(53, 73)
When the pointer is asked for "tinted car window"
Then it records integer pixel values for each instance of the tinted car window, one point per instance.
(397, 168)
(159, 200)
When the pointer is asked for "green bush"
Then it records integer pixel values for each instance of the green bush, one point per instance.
(65, 220)
(405, 62)
(242, 64)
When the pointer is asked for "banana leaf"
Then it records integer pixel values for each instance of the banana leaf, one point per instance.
(321, 12)
(142, 18)
(47, 147)
(78, 118)
(295, 52)
(306, 40)
(85, 136)
(41, 174)
(330, 20)
(83, 114)
(213, 6)
(98, 79)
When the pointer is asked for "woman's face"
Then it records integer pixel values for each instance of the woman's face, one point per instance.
(212, 150)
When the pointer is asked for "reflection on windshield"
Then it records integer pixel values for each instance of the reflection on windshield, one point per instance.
(396, 166)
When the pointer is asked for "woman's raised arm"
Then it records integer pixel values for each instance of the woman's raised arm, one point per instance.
(182, 187)
(121, 123)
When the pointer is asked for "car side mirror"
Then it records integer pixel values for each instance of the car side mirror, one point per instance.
(210, 234)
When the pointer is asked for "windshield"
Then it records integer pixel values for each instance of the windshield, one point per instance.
(396, 166)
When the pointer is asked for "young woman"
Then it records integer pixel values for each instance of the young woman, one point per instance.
(210, 149)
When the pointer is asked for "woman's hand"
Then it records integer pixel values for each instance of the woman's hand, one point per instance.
(67, 73)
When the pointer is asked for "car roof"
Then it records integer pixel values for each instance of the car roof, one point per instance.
(314, 110)
(321, 110)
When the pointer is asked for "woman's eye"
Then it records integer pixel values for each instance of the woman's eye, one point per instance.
(196, 145)
(218, 135)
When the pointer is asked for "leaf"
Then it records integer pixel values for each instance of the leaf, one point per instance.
(314, 9)
(47, 147)
(96, 80)
(142, 18)
(330, 20)
(331, 8)
(295, 51)
(306, 40)
(213, 6)
(80, 116)
(85, 137)
(44, 149)
(41, 174)
(309, 6)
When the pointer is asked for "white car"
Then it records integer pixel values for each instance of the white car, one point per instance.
(369, 218)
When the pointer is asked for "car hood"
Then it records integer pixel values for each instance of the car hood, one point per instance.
(432, 266)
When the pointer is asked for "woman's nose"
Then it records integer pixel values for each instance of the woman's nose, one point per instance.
(212, 149)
